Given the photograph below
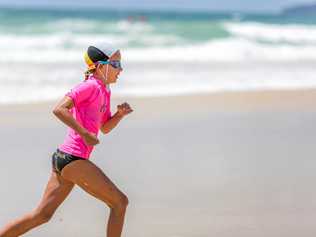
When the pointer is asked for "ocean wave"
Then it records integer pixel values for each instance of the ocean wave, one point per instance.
(225, 50)
(51, 84)
(78, 25)
(97, 26)
(66, 40)
(135, 27)
(293, 33)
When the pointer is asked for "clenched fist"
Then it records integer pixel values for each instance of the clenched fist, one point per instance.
(124, 109)
(90, 139)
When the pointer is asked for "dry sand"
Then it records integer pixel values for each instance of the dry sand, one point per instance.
(228, 164)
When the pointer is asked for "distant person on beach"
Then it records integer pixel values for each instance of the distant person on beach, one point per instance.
(85, 109)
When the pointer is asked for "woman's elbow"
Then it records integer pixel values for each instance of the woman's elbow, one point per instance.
(64, 105)
(105, 130)
(57, 111)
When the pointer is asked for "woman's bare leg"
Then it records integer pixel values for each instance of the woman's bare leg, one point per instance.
(91, 179)
(56, 191)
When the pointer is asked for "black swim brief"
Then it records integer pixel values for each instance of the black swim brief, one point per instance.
(60, 159)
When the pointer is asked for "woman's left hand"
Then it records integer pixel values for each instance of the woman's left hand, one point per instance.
(124, 109)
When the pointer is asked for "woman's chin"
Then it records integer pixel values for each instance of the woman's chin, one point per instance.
(113, 82)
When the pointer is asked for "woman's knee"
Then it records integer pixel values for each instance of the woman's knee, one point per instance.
(121, 202)
(124, 200)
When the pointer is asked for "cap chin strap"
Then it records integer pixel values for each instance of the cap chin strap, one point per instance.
(106, 73)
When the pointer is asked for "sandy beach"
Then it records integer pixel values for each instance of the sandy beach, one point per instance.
(237, 164)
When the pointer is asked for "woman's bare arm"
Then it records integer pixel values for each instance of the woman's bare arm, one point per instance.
(111, 123)
(61, 111)
(122, 110)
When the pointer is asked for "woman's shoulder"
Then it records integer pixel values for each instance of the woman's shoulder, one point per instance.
(84, 88)
(88, 84)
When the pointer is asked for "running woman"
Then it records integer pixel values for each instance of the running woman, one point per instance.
(85, 109)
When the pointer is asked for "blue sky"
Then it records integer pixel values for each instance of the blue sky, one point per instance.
(239, 5)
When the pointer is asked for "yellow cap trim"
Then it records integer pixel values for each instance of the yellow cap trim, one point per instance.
(87, 59)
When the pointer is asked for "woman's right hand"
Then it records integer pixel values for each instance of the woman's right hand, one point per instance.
(90, 139)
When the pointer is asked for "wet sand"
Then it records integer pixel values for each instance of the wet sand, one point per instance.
(226, 164)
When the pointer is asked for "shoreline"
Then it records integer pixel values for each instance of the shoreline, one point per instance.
(231, 99)
(176, 107)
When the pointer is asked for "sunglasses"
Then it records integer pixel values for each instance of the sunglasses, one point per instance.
(114, 63)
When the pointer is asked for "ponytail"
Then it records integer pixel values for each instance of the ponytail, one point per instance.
(88, 73)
